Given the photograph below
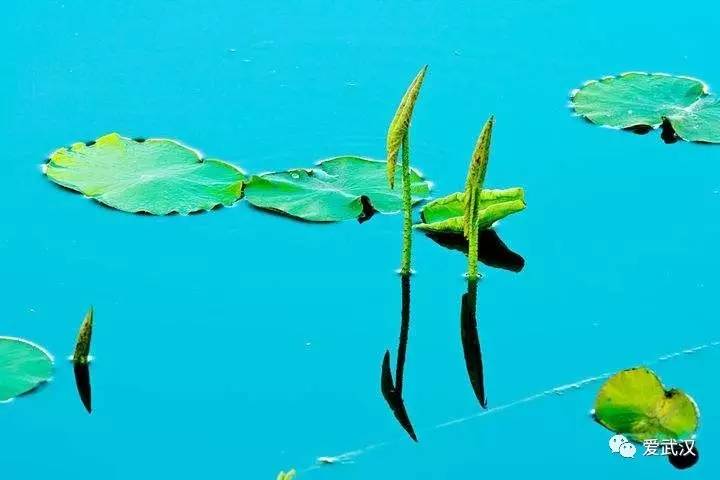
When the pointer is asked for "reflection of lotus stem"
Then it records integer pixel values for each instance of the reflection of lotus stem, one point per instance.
(407, 207)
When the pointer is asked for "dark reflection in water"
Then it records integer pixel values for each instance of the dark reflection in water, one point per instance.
(82, 381)
(639, 129)
(392, 390)
(491, 249)
(684, 459)
(471, 341)
(667, 132)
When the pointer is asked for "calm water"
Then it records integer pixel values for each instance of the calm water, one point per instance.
(236, 343)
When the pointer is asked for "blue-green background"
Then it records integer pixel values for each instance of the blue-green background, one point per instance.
(236, 343)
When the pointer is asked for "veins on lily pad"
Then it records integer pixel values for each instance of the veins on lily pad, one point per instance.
(155, 176)
(634, 403)
(638, 101)
(340, 188)
(24, 366)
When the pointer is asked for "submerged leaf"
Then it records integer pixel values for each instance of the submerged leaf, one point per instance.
(634, 403)
(340, 188)
(476, 177)
(401, 122)
(155, 176)
(634, 100)
(82, 346)
(447, 214)
(23, 367)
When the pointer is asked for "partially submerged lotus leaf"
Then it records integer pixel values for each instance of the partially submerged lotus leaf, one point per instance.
(23, 367)
(635, 99)
(339, 188)
(634, 403)
(156, 176)
(446, 214)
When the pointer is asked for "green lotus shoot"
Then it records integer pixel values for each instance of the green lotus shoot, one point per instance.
(286, 476)
(82, 346)
(398, 139)
(473, 189)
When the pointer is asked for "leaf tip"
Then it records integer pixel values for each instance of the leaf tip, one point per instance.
(82, 345)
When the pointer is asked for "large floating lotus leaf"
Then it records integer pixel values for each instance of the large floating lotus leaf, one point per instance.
(23, 367)
(646, 100)
(445, 215)
(156, 176)
(340, 188)
(634, 99)
(634, 403)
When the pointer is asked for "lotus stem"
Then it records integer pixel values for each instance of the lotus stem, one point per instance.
(472, 272)
(407, 208)
(398, 140)
(473, 189)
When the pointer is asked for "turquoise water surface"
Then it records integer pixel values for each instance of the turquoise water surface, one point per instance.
(234, 344)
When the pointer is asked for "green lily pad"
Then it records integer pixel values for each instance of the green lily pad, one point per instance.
(23, 367)
(156, 176)
(339, 188)
(645, 100)
(445, 215)
(635, 403)
(700, 122)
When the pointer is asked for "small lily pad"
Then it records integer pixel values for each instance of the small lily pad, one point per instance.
(634, 100)
(635, 403)
(445, 215)
(336, 189)
(23, 367)
(156, 176)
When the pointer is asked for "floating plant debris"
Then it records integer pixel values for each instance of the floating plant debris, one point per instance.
(24, 366)
(634, 403)
(156, 176)
(81, 361)
(641, 101)
(446, 214)
(340, 188)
